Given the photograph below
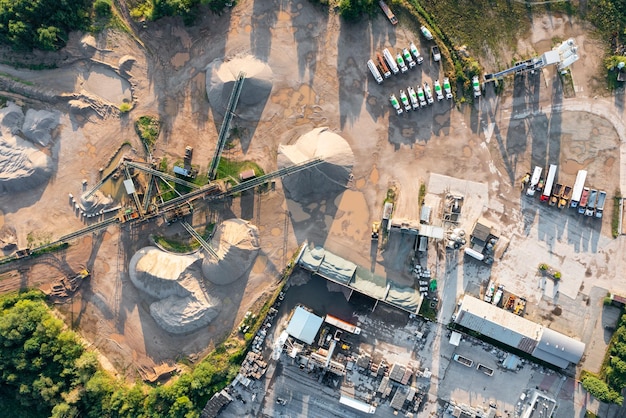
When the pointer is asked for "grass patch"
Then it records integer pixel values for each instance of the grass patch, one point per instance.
(148, 129)
(422, 194)
(615, 215)
(427, 311)
(125, 107)
(229, 169)
(16, 79)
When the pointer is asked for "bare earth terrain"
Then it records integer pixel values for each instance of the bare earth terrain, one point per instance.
(319, 80)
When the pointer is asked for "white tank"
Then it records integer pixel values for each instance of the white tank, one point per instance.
(566, 45)
(569, 52)
(569, 61)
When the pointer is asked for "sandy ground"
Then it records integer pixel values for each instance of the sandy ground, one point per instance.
(319, 80)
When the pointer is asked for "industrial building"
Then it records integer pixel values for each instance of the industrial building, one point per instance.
(537, 340)
(304, 325)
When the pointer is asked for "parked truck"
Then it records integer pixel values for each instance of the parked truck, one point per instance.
(390, 61)
(436, 53)
(420, 96)
(556, 195)
(582, 205)
(401, 63)
(387, 11)
(476, 86)
(408, 58)
(427, 34)
(578, 187)
(377, 76)
(438, 91)
(567, 195)
(413, 97)
(547, 187)
(396, 105)
(429, 94)
(386, 71)
(447, 88)
(534, 181)
(405, 100)
(591, 204)
(416, 53)
(600, 204)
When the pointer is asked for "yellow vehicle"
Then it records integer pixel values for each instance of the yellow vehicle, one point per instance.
(375, 230)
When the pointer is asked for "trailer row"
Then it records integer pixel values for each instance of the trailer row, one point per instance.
(388, 64)
(588, 202)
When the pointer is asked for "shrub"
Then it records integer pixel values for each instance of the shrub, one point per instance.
(125, 107)
(543, 267)
(102, 8)
(557, 275)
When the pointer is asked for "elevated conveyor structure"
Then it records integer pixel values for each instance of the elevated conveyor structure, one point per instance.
(228, 116)
(99, 184)
(134, 193)
(161, 175)
(199, 238)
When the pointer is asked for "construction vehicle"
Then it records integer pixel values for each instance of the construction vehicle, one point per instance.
(413, 97)
(438, 91)
(547, 188)
(395, 104)
(491, 288)
(401, 63)
(556, 195)
(416, 53)
(427, 34)
(390, 61)
(591, 204)
(476, 86)
(386, 72)
(582, 205)
(600, 204)
(387, 11)
(510, 303)
(534, 181)
(428, 93)
(405, 101)
(567, 195)
(498, 295)
(578, 187)
(374, 71)
(525, 180)
(408, 58)
(447, 88)
(519, 307)
(375, 230)
(436, 53)
(421, 97)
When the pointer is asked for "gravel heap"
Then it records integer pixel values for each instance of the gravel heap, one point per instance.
(330, 176)
(184, 305)
(23, 165)
(220, 80)
(236, 242)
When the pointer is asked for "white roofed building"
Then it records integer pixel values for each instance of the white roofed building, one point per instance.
(304, 325)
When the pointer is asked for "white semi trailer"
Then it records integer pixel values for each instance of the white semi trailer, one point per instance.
(374, 71)
(391, 61)
(581, 177)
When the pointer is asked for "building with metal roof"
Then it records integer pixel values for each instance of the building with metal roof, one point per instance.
(512, 330)
(304, 325)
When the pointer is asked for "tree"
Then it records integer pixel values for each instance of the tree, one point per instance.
(48, 37)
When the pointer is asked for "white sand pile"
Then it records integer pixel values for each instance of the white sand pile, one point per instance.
(236, 242)
(183, 305)
(220, 80)
(330, 176)
(38, 126)
(97, 202)
(22, 165)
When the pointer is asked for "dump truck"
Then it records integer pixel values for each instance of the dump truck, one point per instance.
(405, 100)
(438, 91)
(428, 93)
(582, 205)
(427, 34)
(375, 230)
(421, 97)
(447, 88)
(390, 61)
(436, 53)
(408, 58)
(401, 63)
(416, 53)
(567, 195)
(476, 86)
(600, 204)
(377, 76)
(387, 11)
(396, 105)
(556, 195)
(413, 97)
(591, 204)
(386, 72)
(463, 360)
(578, 187)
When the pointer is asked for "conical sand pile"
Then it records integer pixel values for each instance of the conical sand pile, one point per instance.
(330, 176)
(236, 242)
(220, 80)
